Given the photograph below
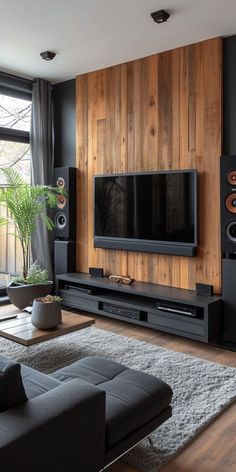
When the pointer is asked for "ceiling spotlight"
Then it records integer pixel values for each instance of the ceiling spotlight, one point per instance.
(48, 55)
(160, 16)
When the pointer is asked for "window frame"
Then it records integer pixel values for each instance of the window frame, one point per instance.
(16, 87)
(14, 135)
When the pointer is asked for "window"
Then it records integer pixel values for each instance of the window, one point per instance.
(15, 116)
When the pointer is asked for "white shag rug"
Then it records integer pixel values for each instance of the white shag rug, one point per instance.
(201, 389)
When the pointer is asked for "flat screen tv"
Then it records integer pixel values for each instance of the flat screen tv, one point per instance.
(150, 212)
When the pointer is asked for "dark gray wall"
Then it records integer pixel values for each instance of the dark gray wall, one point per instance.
(64, 120)
(229, 95)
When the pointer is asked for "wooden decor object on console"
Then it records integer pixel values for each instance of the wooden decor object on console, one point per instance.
(121, 279)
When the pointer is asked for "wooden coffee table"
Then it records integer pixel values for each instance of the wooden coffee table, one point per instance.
(22, 331)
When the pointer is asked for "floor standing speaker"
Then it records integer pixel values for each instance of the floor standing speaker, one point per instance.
(228, 245)
(228, 204)
(229, 299)
(64, 257)
(64, 215)
(65, 221)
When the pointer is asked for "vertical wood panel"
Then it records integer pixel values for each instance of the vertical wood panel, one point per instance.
(157, 113)
(82, 165)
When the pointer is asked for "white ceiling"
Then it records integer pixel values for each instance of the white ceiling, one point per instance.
(93, 34)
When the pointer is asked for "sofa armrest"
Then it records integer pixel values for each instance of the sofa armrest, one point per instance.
(62, 430)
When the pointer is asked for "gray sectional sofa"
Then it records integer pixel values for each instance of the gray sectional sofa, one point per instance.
(78, 419)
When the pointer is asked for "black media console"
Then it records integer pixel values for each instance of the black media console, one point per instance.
(169, 309)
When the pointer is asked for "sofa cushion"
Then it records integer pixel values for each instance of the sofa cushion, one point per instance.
(36, 383)
(132, 397)
(12, 391)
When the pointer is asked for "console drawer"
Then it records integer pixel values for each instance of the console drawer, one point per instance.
(78, 299)
(177, 322)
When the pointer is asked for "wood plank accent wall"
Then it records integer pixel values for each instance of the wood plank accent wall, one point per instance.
(157, 113)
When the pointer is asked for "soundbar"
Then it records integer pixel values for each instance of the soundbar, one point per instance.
(178, 310)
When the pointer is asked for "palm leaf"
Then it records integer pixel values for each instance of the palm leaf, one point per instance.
(26, 204)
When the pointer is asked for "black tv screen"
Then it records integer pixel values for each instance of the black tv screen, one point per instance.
(151, 212)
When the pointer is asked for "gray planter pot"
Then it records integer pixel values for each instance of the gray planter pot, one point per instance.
(46, 315)
(23, 295)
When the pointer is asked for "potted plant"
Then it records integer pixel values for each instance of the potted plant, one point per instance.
(21, 292)
(26, 204)
(46, 312)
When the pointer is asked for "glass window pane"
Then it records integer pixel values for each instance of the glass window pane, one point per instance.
(17, 155)
(4, 279)
(15, 113)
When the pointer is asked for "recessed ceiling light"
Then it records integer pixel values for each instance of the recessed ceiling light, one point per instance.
(48, 55)
(160, 16)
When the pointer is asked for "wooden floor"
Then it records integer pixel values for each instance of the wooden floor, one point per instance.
(214, 450)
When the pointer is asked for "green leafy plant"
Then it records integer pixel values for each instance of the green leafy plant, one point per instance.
(49, 299)
(26, 204)
(35, 275)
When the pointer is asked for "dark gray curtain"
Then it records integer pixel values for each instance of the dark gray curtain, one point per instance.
(42, 143)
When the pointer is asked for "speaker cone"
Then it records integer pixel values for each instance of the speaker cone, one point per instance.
(231, 177)
(60, 182)
(60, 220)
(230, 203)
(231, 231)
(61, 201)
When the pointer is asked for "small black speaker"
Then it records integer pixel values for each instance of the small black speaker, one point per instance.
(64, 257)
(64, 215)
(228, 204)
(204, 289)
